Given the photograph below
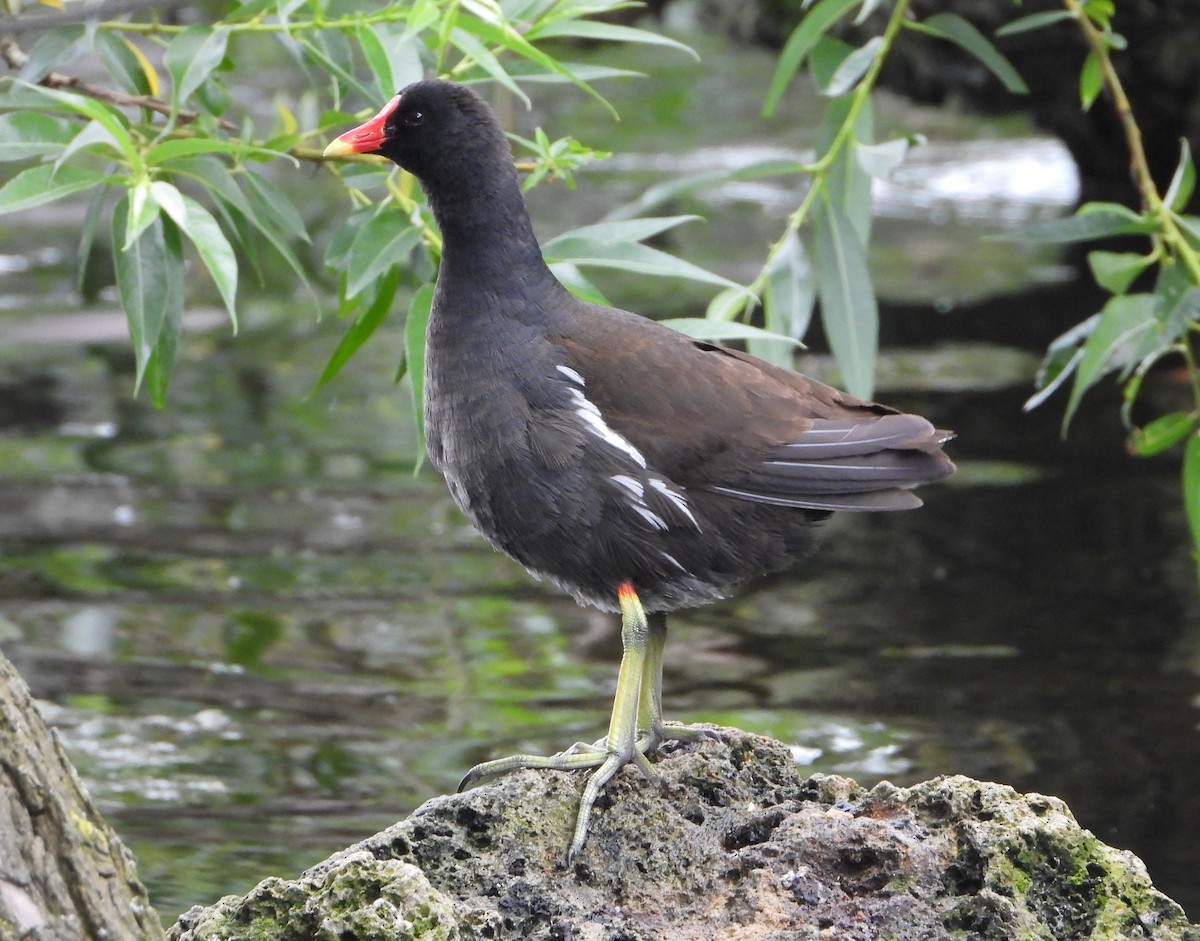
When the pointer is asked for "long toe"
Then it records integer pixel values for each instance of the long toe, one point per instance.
(570, 760)
(663, 732)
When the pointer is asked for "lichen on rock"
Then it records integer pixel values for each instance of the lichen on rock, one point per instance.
(733, 842)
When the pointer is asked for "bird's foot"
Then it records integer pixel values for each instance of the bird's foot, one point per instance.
(604, 759)
(675, 732)
(635, 729)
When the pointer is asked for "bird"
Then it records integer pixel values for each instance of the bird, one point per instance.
(639, 469)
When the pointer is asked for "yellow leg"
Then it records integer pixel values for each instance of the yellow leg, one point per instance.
(639, 696)
(650, 712)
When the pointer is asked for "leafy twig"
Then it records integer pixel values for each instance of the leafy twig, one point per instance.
(16, 58)
(819, 169)
(1152, 201)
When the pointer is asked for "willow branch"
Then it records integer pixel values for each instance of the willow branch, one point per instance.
(1139, 166)
(36, 22)
(819, 170)
(16, 58)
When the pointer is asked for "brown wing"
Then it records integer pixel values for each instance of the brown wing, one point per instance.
(739, 426)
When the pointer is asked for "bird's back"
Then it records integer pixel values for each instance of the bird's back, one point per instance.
(595, 446)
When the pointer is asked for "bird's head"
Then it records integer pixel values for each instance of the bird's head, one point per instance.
(442, 133)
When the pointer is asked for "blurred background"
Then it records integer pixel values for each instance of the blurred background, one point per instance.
(264, 637)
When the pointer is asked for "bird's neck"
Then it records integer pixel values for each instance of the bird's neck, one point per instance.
(487, 237)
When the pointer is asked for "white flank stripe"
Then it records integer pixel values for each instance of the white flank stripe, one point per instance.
(595, 424)
(630, 484)
(675, 562)
(649, 516)
(571, 374)
(675, 497)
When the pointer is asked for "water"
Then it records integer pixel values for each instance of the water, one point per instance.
(263, 638)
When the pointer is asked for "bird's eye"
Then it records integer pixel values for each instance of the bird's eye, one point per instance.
(414, 118)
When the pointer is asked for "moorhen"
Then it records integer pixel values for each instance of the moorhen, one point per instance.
(640, 470)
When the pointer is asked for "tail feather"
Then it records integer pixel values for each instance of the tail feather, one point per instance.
(849, 464)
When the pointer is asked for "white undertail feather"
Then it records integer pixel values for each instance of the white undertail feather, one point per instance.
(595, 423)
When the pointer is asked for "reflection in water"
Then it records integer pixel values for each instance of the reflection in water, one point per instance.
(263, 638)
(254, 671)
(1012, 185)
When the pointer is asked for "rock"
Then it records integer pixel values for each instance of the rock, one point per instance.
(735, 842)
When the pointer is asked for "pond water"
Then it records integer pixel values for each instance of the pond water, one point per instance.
(264, 638)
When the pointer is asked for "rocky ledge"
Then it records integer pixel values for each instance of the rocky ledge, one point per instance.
(733, 843)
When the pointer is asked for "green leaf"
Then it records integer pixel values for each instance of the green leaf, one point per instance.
(1183, 182)
(270, 202)
(87, 238)
(1034, 21)
(337, 254)
(848, 308)
(1161, 433)
(149, 280)
(414, 355)
(191, 58)
(574, 281)
(789, 297)
(212, 246)
(729, 303)
(213, 174)
(1091, 81)
(1191, 228)
(584, 71)
(701, 328)
(1055, 370)
(122, 63)
(143, 211)
(175, 148)
(1115, 271)
(825, 59)
(852, 68)
(162, 357)
(1191, 491)
(868, 7)
(43, 184)
(1092, 221)
(847, 184)
(1176, 310)
(279, 242)
(403, 54)
(1061, 359)
(112, 119)
(28, 134)
(953, 27)
(375, 54)
(381, 244)
(473, 48)
(489, 25)
(95, 137)
(333, 51)
(55, 48)
(244, 239)
(213, 97)
(881, 160)
(815, 23)
(627, 256)
(1123, 322)
(363, 328)
(627, 230)
(597, 30)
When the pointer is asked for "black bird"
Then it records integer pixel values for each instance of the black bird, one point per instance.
(639, 469)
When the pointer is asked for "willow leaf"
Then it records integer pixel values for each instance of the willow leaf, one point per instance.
(849, 311)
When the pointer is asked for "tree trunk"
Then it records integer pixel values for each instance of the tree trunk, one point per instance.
(64, 874)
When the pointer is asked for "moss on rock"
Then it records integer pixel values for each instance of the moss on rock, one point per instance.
(734, 842)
